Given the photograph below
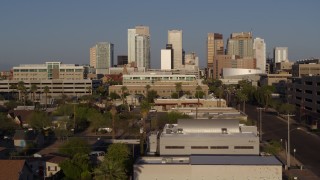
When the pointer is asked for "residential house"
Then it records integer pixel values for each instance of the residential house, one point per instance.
(15, 169)
(24, 139)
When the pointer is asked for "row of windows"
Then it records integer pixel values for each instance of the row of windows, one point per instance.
(29, 70)
(211, 147)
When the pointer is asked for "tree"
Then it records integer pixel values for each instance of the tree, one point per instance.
(174, 95)
(123, 91)
(147, 89)
(77, 167)
(46, 90)
(33, 89)
(21, 87)
(178, 89)
(13, 87)
(74, 146)
(199, 93)
(7, 125)
(151, 96)
(219, 92)
(287, 108)
(38, 120)
(114, 95)
(145, 108)
(241, 97)
(113, 112)
(116, 164)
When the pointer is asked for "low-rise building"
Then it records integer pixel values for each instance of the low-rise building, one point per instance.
(15, 169)
(279, 81)
(207, 136)
(208, 167)
(163, 83)
(47, 71)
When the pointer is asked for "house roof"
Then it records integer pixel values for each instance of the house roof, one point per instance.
(208, 125)
(10, 169)
(53, 158)
(22, 115)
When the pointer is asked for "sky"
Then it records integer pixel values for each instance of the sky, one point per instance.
(36, 31)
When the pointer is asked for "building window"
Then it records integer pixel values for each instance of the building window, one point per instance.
(308, 82)
(219, 147)
(243, 147)
(174, 147)
(199, 147)
(308, 100)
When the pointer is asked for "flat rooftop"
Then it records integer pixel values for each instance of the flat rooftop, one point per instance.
(212, 160)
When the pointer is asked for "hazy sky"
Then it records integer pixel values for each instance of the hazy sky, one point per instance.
(36, 31)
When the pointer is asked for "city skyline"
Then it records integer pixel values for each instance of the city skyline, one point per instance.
(64, 31)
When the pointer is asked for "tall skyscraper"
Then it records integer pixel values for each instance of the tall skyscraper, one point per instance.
(175, 39)
(101, 55)
(240, 44)
(139, 46)
(281, 54)
(215, 46)
(259, 49)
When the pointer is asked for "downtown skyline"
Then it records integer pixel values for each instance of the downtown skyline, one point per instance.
(36, 32)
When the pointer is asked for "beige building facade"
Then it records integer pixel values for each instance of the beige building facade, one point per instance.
(164, 84)
(215, 46)
(47, 71)
(231, 61)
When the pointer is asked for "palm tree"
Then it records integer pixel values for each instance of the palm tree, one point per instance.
(145, 108)
(218, 92)
(110, 170)
(178, 88)
(147, 90)
(242, 98)
(123, 90)
(46, 90)
(13, 87)
(113, 112)
(21, 88)
(33, 89)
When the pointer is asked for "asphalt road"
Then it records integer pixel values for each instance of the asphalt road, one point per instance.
(307, 145)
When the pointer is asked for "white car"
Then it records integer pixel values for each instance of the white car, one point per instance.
(108, 130)
(153, 110)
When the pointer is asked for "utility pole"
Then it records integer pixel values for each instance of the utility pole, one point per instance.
(288, 150)
(260, 122)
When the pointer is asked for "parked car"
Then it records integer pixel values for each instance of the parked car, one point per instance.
(105, 129)
(153, 110)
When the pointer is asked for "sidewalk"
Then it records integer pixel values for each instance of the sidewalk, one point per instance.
(297, 169)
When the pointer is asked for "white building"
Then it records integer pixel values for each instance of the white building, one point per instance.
(175, 39)
(281, 54)
(205, 167)
(139, 46)
(166, 59)
(207, 136)
(259, 50)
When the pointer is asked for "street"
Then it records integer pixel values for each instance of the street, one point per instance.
(307, 145)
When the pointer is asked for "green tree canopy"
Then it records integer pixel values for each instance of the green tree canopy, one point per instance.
(38, 120)
(6, 124)
(78, 167)
(116, 164)
(74, 146)
(287, 108)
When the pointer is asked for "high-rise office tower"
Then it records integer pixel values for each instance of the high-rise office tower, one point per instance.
(215, 46)
(167, 57)
(122, 60)
(175, 39)
(259, 49)
(139, 46)
(101, 55)
(240, 44)
(281, 54)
